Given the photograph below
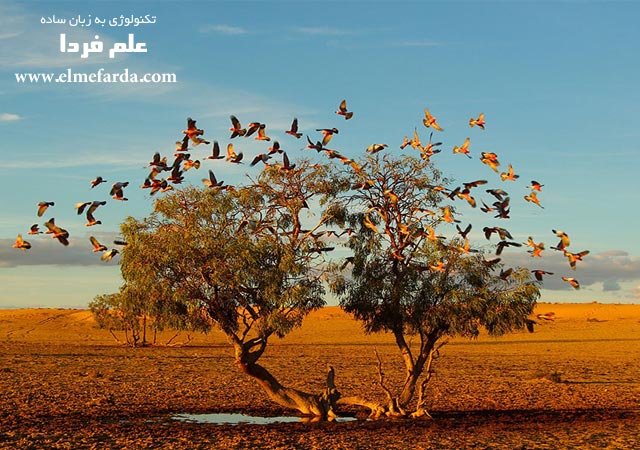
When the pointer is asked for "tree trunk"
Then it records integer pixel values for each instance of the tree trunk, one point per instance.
(425, 358)
(320, 405)
(144, 329)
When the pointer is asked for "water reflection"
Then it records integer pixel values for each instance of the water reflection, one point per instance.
(235, 419)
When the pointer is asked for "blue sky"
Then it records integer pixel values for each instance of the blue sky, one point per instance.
(557, 82)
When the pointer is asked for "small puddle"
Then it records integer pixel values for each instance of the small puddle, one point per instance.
(235, 419)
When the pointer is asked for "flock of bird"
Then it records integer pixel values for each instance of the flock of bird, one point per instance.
(62, 235)
(501, 206)
(192, 135)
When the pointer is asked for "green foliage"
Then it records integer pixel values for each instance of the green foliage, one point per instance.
(404, 277)
(120, 312)
(237, 258)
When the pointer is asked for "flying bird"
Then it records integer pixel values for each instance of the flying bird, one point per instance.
(535, 186)
(464, 232)
(533, 198)
(286, 165)
(504, 274)
(502, 233)
(183, 145)
(275, 148)
(465, 194)
(215, 152)
(502, 208)
(293, 131)
(479, 122)
(486, 208)
(447, 217)
(498, 193)
(502, 244)
(212, 182)
(176, 176)
(550, 316)
(92, 207)
(232, 156)
(317, 146)
(56, 232)
(509, 175)
(34, 229)
(236, 129)
(429, 121)
(465, 248)
(97, 181)
(574, 257)
(261, 157)
(80, 206)
(97, 246)
(375, 148)
(430, 149)
(537, 247)
(42, 207)
(109, 254)
(464, 149)
(491, 160)
(117, 192)
(189, 163)
(192, 132)
(539, 273)
(431, 235)
(159, 186)
(262, 136)
(342, 110)
(564, 240)
(21, 244)
(158, 162)
(572, 281)
(328, 134)
(252, 128)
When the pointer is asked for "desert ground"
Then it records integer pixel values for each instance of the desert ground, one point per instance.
(573, 383)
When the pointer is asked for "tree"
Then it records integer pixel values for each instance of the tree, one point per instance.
(407, 280)
(118, 312)
(239, 258)
(252, 259)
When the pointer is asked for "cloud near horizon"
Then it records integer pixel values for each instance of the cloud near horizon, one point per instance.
(9, 117)
(609, 269)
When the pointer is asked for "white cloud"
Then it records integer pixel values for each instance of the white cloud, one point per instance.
(8, 117)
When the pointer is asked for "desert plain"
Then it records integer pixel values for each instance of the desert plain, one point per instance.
(573, 383)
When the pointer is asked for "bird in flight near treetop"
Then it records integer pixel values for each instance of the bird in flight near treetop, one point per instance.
(429, 121)
(342, 110)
